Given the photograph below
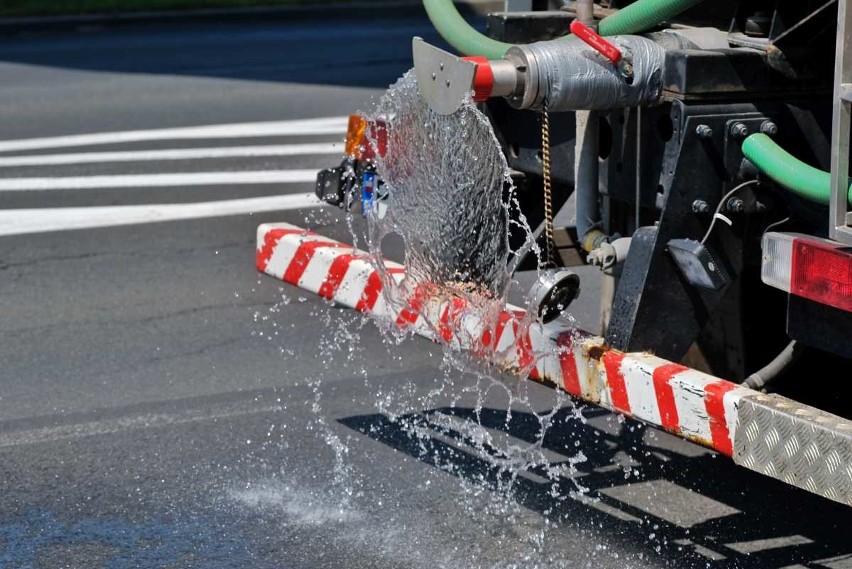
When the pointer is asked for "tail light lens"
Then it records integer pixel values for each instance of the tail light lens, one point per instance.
(813, 268)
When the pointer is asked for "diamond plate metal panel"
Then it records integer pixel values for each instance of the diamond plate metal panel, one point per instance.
(797, 444)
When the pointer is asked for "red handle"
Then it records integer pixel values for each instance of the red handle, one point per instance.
(597, 42)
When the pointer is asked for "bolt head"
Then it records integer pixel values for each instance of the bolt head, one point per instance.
(700, 206)
(769, 128)
(739, 130)
(704, 131)
(736, 205)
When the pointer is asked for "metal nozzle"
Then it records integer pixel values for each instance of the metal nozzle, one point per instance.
(445, 80)
(553, 292)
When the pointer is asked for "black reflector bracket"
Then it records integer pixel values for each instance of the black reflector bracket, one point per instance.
(697, 264)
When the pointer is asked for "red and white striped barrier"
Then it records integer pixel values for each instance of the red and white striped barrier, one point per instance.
(688, 403)
(691, 404)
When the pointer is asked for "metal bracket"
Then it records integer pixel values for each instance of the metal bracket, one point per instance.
(444, 80)
(800, 445)
(838, 223)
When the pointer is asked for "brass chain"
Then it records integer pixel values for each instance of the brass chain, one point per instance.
(546, 181)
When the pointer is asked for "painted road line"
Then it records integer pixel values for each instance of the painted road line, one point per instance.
(319, 148)
(324, 125)
(43, 220)
(157, 180)
(129, 424)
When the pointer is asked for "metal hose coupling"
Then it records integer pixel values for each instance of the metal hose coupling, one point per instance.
(569, 74)
(572, 75)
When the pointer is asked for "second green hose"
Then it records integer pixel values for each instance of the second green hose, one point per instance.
(786, 170)
(637, 17)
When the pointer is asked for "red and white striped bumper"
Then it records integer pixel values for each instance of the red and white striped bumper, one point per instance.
(771, 434)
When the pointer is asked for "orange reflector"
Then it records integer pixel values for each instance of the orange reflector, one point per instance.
(357, 144)
(355, 135)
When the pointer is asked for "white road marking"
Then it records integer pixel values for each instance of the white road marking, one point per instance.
(320, 148)
(128, 424)
(324, 125)
(156, 180)
(42, 220)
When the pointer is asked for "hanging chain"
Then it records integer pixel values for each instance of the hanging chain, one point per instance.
(548, 193)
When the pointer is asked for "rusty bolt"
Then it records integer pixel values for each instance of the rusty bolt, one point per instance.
(735, 205)
(700, 206)
(769, 128)
(739, 130)
(704, 131)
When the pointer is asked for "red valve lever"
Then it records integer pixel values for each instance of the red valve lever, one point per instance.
(596, 41)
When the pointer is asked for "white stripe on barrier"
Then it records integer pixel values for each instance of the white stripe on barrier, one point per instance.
(640, 390)
(282, 257)
(691, 404)
(354, 281)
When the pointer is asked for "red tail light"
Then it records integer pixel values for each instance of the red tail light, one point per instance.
(813, 268)
(822, 273)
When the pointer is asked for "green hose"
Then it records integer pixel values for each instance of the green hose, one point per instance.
(638, 17)
(642, 15)
(786, 170)
(459, 34)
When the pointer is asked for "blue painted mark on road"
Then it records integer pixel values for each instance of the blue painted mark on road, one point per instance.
(152, 544)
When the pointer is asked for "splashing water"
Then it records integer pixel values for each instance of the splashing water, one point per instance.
(447, 193)
(445, 179)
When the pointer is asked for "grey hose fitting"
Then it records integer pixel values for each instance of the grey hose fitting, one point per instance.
(572, 76)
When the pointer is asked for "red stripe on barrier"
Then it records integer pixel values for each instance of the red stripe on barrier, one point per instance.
(445, 331)
(373, 289)
(371, 293)
(665, 395)
(270, 240)
(449, 318)
(714, 401)
(303, 257)
(568, 363)
(336, 274)
(408, 316)
(615, 380)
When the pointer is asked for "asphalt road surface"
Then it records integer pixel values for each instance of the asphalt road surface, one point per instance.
(162, 405)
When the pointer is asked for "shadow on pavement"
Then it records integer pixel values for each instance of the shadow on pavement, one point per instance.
(733, 517)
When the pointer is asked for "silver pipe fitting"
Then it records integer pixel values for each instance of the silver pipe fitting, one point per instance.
(572, 76)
